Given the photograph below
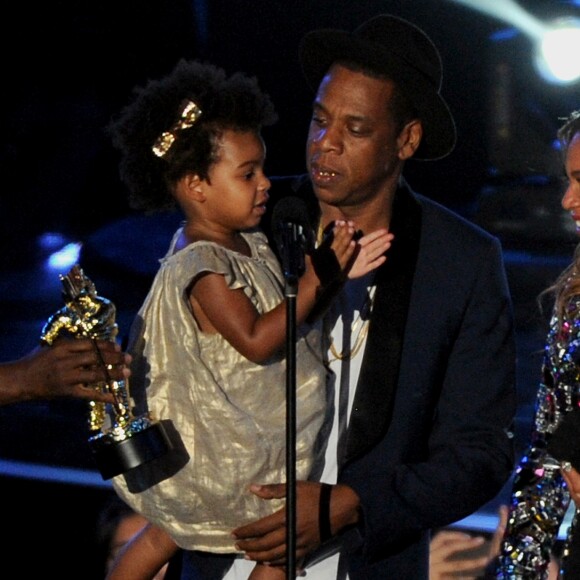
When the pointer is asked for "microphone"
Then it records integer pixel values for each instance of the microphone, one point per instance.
(292, 236)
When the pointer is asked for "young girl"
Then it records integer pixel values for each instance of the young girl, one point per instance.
(208, 342)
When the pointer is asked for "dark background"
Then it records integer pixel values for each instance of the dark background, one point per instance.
(67, 67)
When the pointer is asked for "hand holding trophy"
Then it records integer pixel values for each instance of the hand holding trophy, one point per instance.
(119, 440)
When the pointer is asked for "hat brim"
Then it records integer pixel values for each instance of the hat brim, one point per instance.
(320, 48)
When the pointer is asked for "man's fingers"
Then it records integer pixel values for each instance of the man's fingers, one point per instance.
(268, 548)
(88, 393)
(269, 491)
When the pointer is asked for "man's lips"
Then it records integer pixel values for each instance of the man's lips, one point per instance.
(320, 174)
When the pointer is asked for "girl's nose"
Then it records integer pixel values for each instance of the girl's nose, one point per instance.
(265, 184)
(571, 197)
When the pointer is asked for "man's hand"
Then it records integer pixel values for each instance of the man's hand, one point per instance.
(66, 369)
(265, 540)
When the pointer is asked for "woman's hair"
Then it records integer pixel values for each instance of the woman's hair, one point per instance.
(174, 124)
(568, 282)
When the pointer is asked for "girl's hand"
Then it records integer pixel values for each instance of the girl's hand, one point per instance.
(370, 252)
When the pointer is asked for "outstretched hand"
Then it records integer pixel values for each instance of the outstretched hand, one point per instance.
(341, 255)
(370, 252)
(333, 257)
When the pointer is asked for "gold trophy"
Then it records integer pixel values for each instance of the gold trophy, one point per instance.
(119, 440)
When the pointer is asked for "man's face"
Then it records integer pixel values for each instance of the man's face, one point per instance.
(352, 153)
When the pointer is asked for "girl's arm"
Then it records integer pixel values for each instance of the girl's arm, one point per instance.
(257, 337)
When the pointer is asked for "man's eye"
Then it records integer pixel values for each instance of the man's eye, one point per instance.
(357, 131)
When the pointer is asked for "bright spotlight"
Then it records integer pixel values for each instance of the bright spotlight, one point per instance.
(66, 257)
(557, 42)
(557, 53)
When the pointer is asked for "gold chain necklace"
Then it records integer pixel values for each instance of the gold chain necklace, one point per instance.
(319, 234)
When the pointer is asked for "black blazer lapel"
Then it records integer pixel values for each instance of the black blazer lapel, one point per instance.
(373, 402)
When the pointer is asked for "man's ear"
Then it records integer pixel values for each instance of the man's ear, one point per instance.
(409, 139)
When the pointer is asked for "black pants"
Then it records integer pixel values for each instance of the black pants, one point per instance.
(189, 565)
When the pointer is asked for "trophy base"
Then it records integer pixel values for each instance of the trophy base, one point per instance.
(117, 457)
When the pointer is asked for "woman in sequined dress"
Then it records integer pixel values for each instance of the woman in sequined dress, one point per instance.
(543, 488)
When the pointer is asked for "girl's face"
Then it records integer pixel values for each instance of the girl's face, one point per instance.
(237, 189)
(571, 199)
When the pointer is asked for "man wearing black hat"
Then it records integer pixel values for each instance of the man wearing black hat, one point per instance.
(422, 353)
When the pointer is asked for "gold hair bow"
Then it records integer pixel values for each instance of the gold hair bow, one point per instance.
(189, 114)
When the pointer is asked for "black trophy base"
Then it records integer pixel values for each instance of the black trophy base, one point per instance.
(117, 457)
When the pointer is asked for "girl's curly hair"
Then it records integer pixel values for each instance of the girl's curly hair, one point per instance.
(227, 103)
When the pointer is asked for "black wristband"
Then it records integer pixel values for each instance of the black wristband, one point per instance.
(324, 513)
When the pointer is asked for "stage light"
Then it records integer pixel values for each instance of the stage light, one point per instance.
(557, 43)
(557, 52)
(65, 257)
(509, 11)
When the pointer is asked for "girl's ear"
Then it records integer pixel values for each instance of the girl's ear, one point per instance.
(195, 186)
(190, 188)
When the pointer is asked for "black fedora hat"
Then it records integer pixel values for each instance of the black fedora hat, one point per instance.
(398, 49)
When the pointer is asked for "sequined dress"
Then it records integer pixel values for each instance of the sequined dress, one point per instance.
(229, 411)
(540, 499)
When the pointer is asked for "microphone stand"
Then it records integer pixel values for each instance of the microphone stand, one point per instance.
(292, 245)
(291, 291)
(290, 218)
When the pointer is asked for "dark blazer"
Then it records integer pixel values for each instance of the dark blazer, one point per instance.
(429, 438)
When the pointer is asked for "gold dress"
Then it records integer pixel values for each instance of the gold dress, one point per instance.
(229, 411)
